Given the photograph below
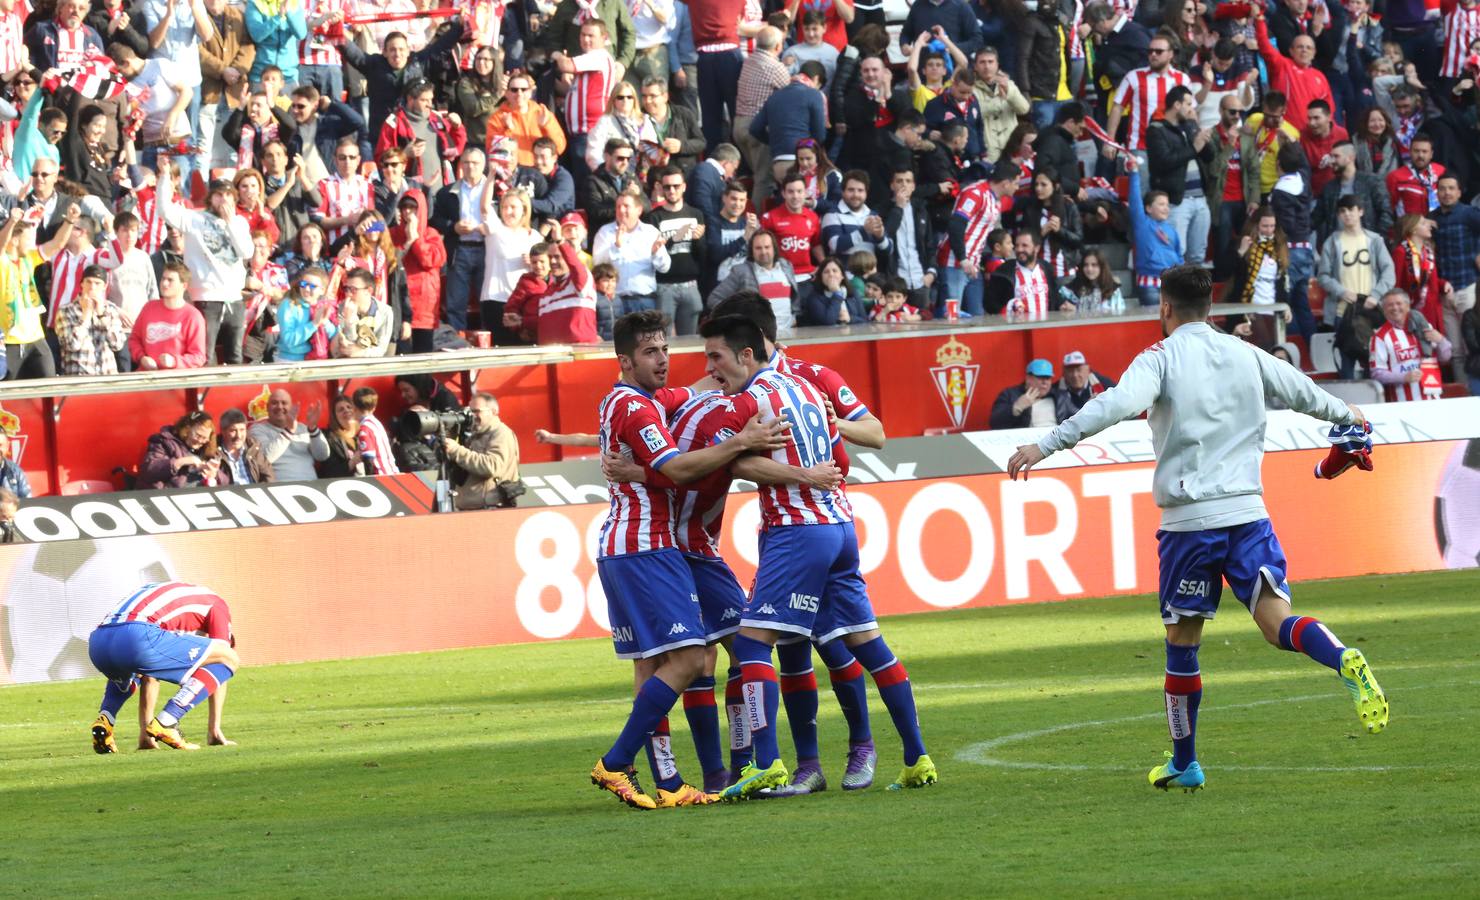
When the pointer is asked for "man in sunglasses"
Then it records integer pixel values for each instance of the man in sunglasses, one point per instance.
(1143, 91)
(609, 182)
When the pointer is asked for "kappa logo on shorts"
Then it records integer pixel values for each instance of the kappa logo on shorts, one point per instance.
(653, 437)
(766, 610)
(677, 629)
(729, 614)
(194, 652)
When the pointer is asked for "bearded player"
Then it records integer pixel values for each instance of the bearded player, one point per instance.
(653, 605)
(808, 580)
(858, 426)
(172, 631)
(1206, 392)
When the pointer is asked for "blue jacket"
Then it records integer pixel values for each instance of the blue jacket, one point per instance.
(1158, 246)
(295, 328)
(954, 16)
(941, 110)
(559, 197)
(13, 477)
(30, 143)
(277, 39)
(792, 113)
(706, 191)
(820, 307)
(681, 51)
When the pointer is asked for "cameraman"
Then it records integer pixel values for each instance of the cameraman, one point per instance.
(486, 469)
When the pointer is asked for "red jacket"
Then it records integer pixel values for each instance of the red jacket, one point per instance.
(1300, 86)
(565, 308)
(397, 132)
(423, 261)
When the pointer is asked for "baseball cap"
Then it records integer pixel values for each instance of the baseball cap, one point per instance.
(1041, 367)
(574, 217)
(1074, 358)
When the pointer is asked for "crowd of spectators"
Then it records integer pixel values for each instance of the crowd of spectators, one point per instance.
(194, 182)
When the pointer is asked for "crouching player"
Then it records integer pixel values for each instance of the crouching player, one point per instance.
(808, 574)
(154, 633)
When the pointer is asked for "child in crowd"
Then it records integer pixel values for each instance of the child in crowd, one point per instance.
(372, 443)
(862, 265)
(605, 276)
(894, 308)
(999, 250)
(1094, 289)
(522, 312)
(1154, 237)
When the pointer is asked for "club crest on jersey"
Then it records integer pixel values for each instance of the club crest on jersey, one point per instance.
(653, 437)
(955, 379)
(10, 423)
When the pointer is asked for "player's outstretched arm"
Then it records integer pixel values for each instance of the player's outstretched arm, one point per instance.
(1301, 394)
(577, 439)
(1026, 457)
(1135, 393)
(757, 436)
(865, 431)
(824, 476)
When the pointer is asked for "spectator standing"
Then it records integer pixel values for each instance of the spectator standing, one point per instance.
(1001, 102)
(344, 195)
(718, 26)
(64, 42)
(508, 238)
(225, 61)
(1295, 76)
(652, 26)
(559, 196)
(430, 139)
(478, 93)
(1457, 245)
(1377, 150)
(589, 77)
(320, 123)
(90, 330)
(1355, 271)
(218, 244)
(1139, 91)
(21, 307)
(320, 64)
(795, 113)
(1291, 203)
(563, 32)
(637, 250)
(372, 445)
(242, 459)
(710, 179)
(131, 281)
(813, 26)
(1054, 148)
(1319, 139)
(169, 333)
(1121, 44)
(675, 128)
(277, 28)
(1042, 62)
(870, 108)
(249, 130)
(797, 229)
(1265, 132)
(388, 73)
(762, 75)
(523, 120)
(1417, 272)
(307, 319)
(683, 227)
(609, 182)
(1348, 180)
(954, 17)
(727, 233)
(1055, 217)
(1470, 334)
(457, 214)
(958, 104)
(422, 255)
(625, 121)
(977, 212)
(1414, 187)
(1153, 235)
(1177, 152)
(292, 195)
(907, 224)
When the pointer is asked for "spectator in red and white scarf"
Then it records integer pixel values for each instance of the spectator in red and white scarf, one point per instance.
(251, 129)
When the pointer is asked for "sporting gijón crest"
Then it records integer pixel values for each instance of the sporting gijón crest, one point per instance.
(955, 379)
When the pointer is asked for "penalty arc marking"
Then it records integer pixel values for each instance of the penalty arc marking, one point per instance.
(981, 753)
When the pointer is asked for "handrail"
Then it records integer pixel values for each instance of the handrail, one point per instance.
(475, 359)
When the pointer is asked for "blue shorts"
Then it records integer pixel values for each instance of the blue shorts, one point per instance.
(1194, 564)
(808, 583)
(651, 603)
(121, 650)
(720, 596)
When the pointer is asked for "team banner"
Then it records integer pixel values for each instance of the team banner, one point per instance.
(69, 518)
(354, 586)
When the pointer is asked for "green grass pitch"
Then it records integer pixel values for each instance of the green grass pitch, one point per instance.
(465, 773)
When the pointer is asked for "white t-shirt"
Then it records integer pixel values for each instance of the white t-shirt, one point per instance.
(159, 76)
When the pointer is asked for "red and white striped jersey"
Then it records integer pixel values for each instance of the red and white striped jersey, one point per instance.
(484, 20)
(1461, 27)
(1029, 291)
(66, 274)
(374, 447)
(319, 48)
(152, 227)
(983, 212)
(344, 197)
(13, 53)
(176, 606)
(72, 48)
(585, 104)
(1145, 92)
(814, 438)
(1397, 350)
(694, 419)
(641, 517)
(845, 403)
(1126, 7)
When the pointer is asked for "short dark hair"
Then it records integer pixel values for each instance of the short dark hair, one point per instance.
(97, 273)
(1350, 201)
(1421, 138)
(365, 399)
(857, 175)
(1272, 101)
(1224, 49)
(908, 118)
(1188, 289)
(545, 143)
(1291, 158)
(815, 71)
(752, 306)
(1451, 177)
(361, 274)
(629, 329)
(1031, 234)
(125, 220)
(735, 187)
(1175, 95)
(1073, 111)
(814, 17)
(738, 333)
(1318, 103)
(232, 416)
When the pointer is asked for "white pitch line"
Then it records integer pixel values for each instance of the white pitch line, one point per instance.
(979, 753)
